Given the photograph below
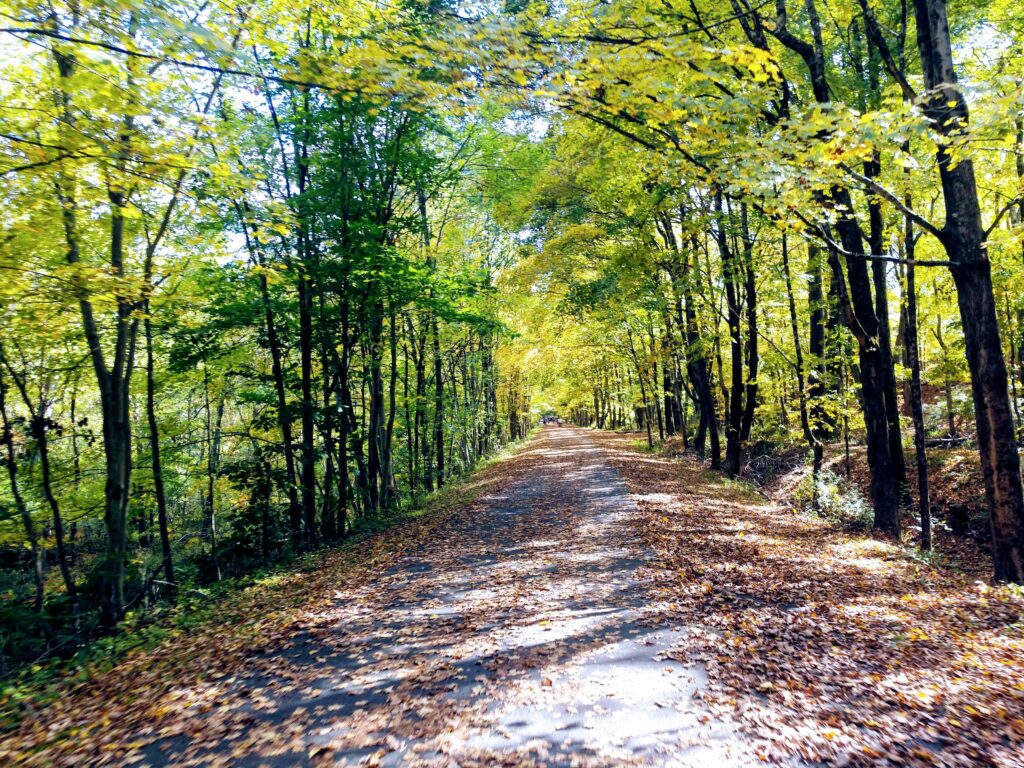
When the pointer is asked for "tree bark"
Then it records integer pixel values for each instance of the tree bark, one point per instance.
(730, 277)
(964, 240)
(159, 492)
(916, 405)
(750, 306)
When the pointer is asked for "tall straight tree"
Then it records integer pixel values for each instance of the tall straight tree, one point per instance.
(963, 236)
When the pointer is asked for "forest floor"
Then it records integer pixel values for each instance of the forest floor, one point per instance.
(594, 605)
(960, 527)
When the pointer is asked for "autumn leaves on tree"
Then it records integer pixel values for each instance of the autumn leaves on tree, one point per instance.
(357, 249)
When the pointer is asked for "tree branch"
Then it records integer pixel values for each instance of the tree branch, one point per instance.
(881, 191)
(1002, 212)
(878, 40)
(216, 70)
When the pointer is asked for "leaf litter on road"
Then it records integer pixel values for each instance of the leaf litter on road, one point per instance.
(556, 620)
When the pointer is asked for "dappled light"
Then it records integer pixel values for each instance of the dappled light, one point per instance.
(560, 619)
(838, 648)
(537, 384)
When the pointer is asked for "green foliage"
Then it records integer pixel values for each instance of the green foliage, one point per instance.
(321, 259)
(834, 498)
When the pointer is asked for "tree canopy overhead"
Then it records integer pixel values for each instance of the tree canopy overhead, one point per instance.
(271, 272)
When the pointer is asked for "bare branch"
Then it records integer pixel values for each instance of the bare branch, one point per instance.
(1010, 204)
(881, 191)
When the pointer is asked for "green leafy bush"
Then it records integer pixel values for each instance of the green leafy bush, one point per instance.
(834, 498)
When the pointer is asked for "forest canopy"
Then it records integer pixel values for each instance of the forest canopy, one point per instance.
(273, 272)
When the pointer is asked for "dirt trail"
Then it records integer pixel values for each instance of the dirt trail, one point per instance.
(515, 633)
(596, 605)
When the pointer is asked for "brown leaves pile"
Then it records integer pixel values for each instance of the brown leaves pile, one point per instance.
(832, 647)
(205, 694)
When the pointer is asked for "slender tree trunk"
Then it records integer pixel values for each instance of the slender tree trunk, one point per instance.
(305, 291)
(284, 417)
(750, 306)
(28, 524)
(42, 442)
(410, 439)
(376, 407)
(490, 396)
(643, 390)
(308, 448)
(213, 431)
(794, 327)
(387, 465)
(159, 492)
(656, 401)
(1013, 331)
(354, 429)
(435, 341)
(345, 421)
(697, 365)
(874, 374)
(76, 467)
(422, 430)
(876, 241)
(821, 423)
(947, 383)
(328, 521)
(731, 279)
(916, 406)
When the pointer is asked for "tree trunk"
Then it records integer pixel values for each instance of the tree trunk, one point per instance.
(821, 423)
(390, 489)
(284, 418)
(964, 239)
(750, 306)
(643, 390)
(731, 278)
(876, 242)
(947, 380)
(916, 407)
(157, 467)
(697, 365)
(861, 319)
(213, 432)
(308, 465)
(802, 395)
(435, 340)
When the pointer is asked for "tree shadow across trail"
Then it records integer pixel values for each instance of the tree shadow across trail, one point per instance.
(516, 634)
(560, 621)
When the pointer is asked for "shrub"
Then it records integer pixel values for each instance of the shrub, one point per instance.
(834, 498)
(673, 446)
